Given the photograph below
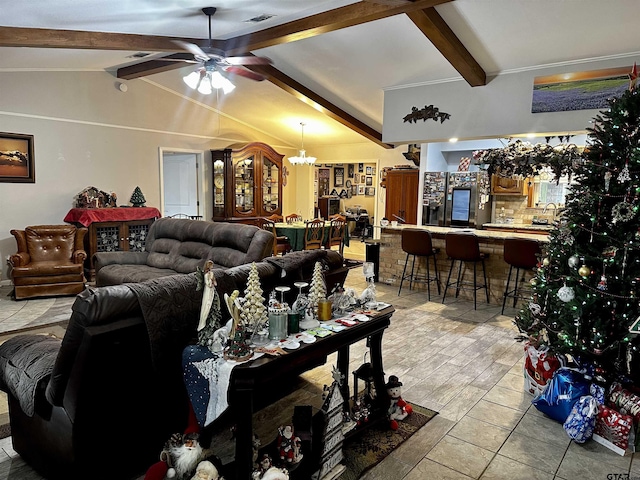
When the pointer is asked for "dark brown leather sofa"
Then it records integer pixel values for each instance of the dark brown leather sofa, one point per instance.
(176, 245)
(101, 402)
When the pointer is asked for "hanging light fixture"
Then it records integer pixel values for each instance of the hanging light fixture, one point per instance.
(302, 158)
(206, 79)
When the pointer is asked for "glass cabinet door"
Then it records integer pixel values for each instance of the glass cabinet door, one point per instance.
(218, 188)
(244, 183)
(270, 186)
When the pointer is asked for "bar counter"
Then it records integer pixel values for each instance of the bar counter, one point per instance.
(392, 259)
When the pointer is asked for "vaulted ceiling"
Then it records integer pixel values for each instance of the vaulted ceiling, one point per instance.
(331, 60)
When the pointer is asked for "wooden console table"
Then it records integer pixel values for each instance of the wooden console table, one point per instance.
(112, 229)
(249, 378)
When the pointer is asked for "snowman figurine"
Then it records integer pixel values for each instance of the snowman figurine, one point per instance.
(398, 409)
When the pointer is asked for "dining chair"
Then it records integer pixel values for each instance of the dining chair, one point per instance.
(276, 218)
(338, 216)
(281, 245)
(294, 217)
(313, 234)
(337, 226)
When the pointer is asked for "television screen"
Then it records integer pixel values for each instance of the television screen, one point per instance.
(460, 206)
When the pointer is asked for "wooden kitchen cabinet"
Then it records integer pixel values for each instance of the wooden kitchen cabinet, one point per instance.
(402, 195)
(509, 186)
(247, 182)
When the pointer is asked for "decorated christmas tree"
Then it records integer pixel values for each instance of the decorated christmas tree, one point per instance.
(137, 198)
(586, 287)
(254, 312)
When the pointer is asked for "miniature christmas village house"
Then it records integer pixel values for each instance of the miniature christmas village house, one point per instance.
(333, 437)
(91, 197)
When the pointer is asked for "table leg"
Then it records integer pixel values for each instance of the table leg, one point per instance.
(375, 347)
(343, 367)
(244, 432)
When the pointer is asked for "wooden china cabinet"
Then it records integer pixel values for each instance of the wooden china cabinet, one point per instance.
(247, 182)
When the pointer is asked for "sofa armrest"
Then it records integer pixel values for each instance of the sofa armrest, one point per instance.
(26, 361)
(102, 259)
(79, 256)
(20, 259)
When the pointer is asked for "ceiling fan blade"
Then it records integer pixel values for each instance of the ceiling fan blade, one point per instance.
(248, 60)
(183, 60)
(193, 49)
(244, 73)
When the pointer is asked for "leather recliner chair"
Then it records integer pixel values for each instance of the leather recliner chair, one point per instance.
(49, 262)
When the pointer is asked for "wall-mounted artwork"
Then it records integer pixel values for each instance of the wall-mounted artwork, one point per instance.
(370, 191)
(338, 176)
(369, 181)
(578, 90)
(350, 170)
(16, 158)
(360, 189)
(356, 178)
(361, 167)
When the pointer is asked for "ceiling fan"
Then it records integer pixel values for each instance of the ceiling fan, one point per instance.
(214, 60)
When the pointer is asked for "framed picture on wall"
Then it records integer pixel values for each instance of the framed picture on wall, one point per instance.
(369, 170)
(360, 189)
(354, 189)
(370, 191)
(369, 181)
(350, 170)
(361, 167)
(356, 178)
(338, 177)
(16, 158)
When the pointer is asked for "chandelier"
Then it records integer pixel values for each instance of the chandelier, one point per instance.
(302, 158)
(206, 79)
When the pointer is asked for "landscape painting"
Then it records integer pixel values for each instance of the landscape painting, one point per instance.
(579, 90)
(16, 158)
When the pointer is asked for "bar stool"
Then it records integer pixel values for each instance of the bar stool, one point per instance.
(519, 253)
(418, 243)
(464, 247)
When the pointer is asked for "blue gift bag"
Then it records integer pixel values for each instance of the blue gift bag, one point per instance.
(562, 392)
(582, 419)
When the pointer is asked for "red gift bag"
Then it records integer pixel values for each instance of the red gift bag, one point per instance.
(613, 429)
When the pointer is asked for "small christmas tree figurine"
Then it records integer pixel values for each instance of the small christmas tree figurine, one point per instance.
(318, 289)
(254, 312)
(137, 198)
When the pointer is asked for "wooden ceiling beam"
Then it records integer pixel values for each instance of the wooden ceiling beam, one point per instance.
(321, 104)
(77, 39)
(329, 21)
(440, 34)
(159, 65)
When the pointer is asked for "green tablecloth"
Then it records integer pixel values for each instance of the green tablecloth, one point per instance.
(295, 233)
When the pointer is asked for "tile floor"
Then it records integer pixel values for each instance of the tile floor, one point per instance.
(466, 365)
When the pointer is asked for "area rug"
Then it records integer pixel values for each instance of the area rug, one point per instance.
(365, 451)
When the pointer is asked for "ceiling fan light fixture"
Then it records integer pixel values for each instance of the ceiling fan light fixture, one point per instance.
(192, 80)
(302, 158)
(206, 81)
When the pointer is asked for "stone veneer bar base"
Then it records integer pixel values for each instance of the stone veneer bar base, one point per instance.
(392, 259)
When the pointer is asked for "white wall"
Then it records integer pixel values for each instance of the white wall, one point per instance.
(500, 109)
(88, 133)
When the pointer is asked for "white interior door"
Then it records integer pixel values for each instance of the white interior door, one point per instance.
(180, 183)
